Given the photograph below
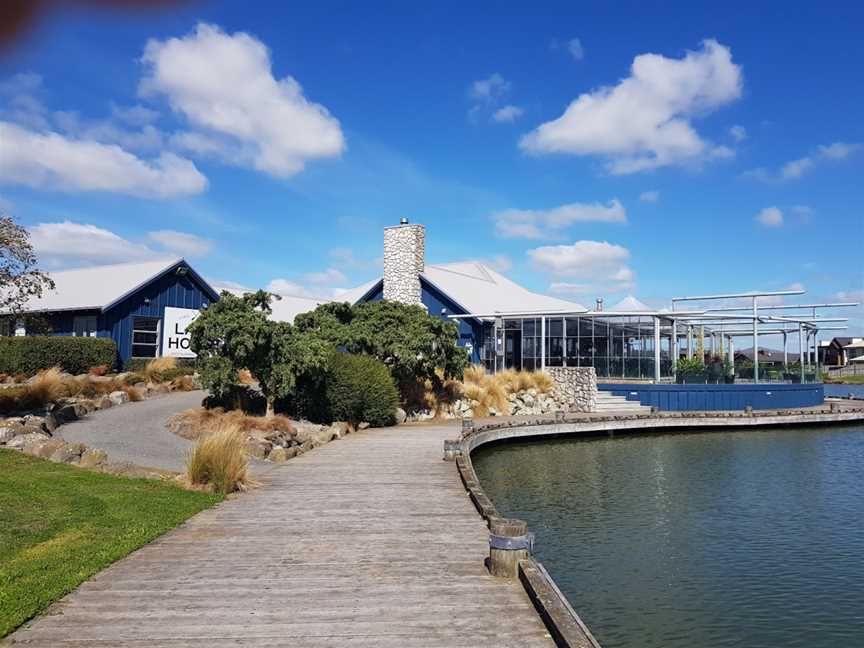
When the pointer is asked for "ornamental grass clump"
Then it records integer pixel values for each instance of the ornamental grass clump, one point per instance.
(197, 422)
(154, 370)
(218, 459)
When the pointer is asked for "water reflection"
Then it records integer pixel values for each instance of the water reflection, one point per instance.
(746, 539)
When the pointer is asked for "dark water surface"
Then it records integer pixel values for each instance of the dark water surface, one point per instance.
(746, 539)
(844, 390)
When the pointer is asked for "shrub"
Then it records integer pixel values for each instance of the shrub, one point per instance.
(219, 459)
(75, 355)
(693, 365)
(360, 388)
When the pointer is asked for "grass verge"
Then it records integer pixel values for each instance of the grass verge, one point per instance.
(60, 525)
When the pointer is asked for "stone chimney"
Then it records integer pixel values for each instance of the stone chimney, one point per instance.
(404, 253)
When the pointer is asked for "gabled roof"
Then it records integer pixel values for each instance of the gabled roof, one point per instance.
(855, 344)
(630, 304)
(101, 287)
(290, 306)
(476, 288)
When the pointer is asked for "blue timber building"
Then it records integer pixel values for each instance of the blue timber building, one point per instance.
(125, 302)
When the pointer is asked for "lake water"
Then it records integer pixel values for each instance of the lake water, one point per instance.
(747, 539)
(845, 390)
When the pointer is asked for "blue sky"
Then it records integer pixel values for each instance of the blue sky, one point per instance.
(587, 151)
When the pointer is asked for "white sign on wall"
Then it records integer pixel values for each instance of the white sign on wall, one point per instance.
(175, 339)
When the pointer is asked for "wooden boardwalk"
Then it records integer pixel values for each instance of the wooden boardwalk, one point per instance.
(369, 541)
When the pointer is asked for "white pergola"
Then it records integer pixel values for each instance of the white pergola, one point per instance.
(727, 322)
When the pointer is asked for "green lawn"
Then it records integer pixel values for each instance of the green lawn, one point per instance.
(59, 525)
(847, 380)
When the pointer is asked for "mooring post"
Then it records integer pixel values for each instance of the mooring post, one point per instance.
(509, 542)
(452, 449)
(467, 426)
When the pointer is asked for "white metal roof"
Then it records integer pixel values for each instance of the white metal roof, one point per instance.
(98, 287)
(290, 306)
(856, 344)
(630, 303)
(477, 288)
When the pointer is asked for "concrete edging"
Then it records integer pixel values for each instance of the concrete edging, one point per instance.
(563, 622)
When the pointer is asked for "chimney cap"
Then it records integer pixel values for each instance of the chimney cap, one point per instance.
(403, 221)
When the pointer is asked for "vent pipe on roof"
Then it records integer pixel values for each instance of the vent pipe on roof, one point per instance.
(404, 262)
(599, 304)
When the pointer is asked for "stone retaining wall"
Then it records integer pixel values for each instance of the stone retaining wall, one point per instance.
(576, 387)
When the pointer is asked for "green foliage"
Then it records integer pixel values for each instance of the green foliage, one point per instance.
(360, 388)
(20, 279)
(137, 364)
(75, 355)
(692, 365)
(60, 525)
(409, 341)
(235, 333)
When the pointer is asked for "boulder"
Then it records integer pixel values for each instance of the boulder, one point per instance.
(43, 449)
(66, 412)
(67, 453)
(93, 458)
(339, 429)
(400, 416)
(104, 403)
(118, 397)
(278, 454)
(9, 429)
(362, 425)
(306, 446)
(306, 431)
(258, 448)
(23, 440)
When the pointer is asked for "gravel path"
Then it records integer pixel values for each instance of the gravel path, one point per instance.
(136, 432)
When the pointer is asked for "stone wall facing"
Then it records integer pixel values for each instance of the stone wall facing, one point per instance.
(575, 386)
(404, 253)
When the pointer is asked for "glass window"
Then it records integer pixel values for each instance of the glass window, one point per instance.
(84, 326)
(145, 337)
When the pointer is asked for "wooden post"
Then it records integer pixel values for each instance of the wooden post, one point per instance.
(467, 426)
(509, 543)
(452, 449)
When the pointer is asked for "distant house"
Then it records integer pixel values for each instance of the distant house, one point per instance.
(143, 307)
(836, 353)
(855, 351)
(766, 356)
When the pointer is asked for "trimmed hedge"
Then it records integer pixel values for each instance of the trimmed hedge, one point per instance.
(31, 354)
(137, 364)
(360, 388)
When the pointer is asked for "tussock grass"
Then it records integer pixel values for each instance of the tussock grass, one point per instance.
(197, 422)
(490, 391)
(153, 370)
(48, 386)
(219, 459)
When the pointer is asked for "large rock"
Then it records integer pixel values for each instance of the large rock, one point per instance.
(93, 458)
(43, 448)
(9, 429)
(67, 453)
(258, 448)
(104, 403)
(308, 432)
(278, 454)
(400, 416)
(23, 440)
(338, 430)
(119, 397)
(66, 412)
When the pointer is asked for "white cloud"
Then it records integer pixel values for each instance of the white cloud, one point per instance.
(650, 196)
(52, 161)
(490, 89)
(68, 244)
(136, 115)
(106, 132)
(287, 287)
(546, 223)
(644, 122)
(223, 84)
(797, 168)
(231, 286)
(328, 276)
(345, 257)
(770, 217)
(738, 133)
(574, 46)
(597, 261)
(182, 243)
(507, 114)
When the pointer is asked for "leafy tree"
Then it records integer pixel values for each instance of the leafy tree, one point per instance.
(235, 333)
(20, 279)
(414, 345)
